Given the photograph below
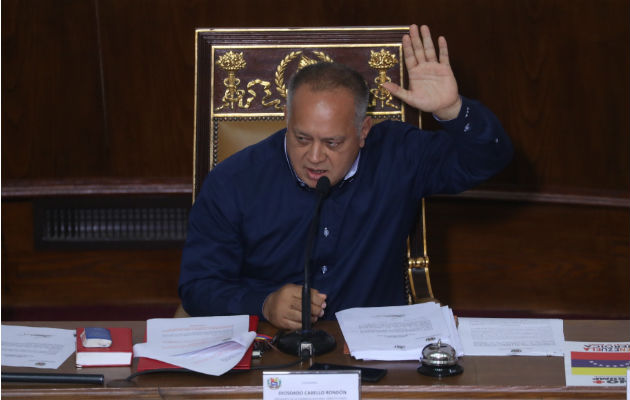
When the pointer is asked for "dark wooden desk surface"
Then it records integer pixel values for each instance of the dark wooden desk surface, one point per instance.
(483, 377)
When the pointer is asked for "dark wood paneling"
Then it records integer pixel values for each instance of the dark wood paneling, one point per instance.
(554, 92)
(36, 188)
(148, 60)
(511, 257)
(52, 115)
(82, 278)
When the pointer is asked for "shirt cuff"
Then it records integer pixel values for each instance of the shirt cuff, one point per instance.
(471, 122)
(446, 120)
(254, 301)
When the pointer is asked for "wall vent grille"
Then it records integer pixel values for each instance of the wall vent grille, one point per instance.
(100, 223)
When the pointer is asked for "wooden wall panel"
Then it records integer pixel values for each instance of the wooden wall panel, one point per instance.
(546, 259)
(45, 278)
(558, 95)
(148, 54)
(52, 110)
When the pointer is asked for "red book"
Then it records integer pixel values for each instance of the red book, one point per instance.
(120, 353)
(146, 364)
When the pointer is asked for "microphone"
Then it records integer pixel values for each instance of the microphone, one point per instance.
(322, 188)
(308, 342)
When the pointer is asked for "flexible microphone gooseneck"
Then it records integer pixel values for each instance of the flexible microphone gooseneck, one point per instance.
(322, 188)
(306, 343)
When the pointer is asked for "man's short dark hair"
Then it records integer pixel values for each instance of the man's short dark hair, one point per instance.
(327, 76)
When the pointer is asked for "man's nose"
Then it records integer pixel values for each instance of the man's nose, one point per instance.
(316, 153)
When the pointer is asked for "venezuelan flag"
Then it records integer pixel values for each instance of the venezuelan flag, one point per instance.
(583, 363)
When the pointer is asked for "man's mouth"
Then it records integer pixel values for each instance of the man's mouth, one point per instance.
(315, 174)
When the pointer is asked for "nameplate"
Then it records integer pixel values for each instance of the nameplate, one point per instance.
(312, 385)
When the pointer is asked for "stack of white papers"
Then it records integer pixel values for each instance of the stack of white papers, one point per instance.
(511, 336)
(398, 332)
(210, 345)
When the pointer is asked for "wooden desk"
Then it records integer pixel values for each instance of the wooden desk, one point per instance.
(483, 377)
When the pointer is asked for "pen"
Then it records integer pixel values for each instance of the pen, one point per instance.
(52, 378)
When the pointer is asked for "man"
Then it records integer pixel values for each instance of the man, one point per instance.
(245, 246)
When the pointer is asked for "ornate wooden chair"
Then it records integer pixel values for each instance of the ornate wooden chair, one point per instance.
(241, 77)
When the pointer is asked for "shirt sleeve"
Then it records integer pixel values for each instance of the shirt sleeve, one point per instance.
(467, 151)
(211, 282)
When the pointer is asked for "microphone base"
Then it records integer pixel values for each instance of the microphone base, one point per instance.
(321, 342)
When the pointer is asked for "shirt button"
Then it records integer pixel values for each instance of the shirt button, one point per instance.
(467, 127)
(324, 269)
(326, 232)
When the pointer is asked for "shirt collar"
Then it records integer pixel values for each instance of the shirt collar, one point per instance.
(351, 172)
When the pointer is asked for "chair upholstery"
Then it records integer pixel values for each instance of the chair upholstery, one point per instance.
(241, 77)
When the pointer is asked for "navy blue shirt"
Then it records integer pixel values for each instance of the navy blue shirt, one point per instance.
(248, 226)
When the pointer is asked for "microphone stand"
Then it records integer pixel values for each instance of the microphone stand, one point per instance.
(306, 343)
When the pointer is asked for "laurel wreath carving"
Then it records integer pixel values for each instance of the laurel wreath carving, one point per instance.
(234, 95)
(323, 56)
(280, 86)
(280, 70)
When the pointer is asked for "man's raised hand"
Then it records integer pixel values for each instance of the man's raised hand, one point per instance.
(432, 85)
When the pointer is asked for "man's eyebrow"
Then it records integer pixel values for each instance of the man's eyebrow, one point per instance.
(299, 132)
(337, 138)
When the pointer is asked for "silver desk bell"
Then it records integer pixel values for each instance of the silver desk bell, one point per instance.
(439, 360)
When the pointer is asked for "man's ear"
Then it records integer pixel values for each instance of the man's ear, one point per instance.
(366, 125)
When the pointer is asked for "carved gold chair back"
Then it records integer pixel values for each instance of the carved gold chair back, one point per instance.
(240, 81)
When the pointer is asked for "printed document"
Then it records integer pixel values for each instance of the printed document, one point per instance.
(397, 332)
(25, 346)
(210, 345)
(511, 336)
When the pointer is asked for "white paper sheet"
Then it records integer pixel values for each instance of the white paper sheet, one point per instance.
(396, 333)
(210, 345)
(453, 336)
(25, 346)
(511, 336)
